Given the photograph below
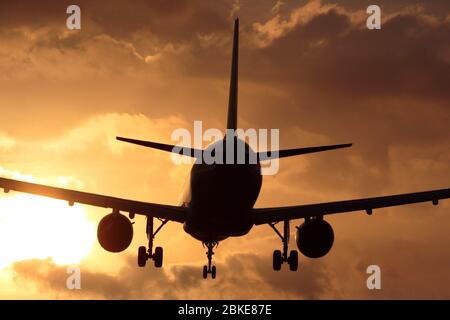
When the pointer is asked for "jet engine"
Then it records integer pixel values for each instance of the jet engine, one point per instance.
(115, 232)
(314, 238)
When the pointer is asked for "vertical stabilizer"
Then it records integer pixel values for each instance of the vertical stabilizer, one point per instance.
(233, 99)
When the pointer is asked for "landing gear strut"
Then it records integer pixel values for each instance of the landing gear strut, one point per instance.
(145, 254)
(280, 257)
(209, 269)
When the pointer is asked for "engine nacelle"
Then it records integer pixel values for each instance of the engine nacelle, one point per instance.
(115, 232)
(314, 238)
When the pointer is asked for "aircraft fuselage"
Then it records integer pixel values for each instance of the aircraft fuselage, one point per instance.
(220, 199)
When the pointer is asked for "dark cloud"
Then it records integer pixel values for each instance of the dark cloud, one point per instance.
(332, 55)
(255, 279)
(436, 7)
(167, 20)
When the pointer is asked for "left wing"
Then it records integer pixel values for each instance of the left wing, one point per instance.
(269, 215)
(173, 213)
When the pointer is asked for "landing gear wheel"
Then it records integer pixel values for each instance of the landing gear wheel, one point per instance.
(142, 256)
(277, 260)
(205, 272)
(213, 272)
(293, 260)
(158, 257)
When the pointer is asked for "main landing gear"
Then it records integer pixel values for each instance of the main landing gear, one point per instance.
(209, 269)
(145, 254)
(281, 257)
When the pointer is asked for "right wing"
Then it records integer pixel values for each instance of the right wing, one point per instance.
(173, 213)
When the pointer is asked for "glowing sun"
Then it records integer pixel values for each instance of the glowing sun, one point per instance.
(37, 228)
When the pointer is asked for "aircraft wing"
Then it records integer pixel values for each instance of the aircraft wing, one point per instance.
(269, 215)
(173, 213)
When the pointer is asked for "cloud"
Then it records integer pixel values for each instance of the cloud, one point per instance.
(6, 142)
(102, 130)
(119, 19)
(15, 175)
(178, 281)
(276, 27)
(328, 51)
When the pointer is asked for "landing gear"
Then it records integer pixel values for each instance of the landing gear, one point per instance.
(145, 254)
(209, 269)
(280, 257)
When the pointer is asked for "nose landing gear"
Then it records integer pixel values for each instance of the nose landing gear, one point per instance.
(209, 269)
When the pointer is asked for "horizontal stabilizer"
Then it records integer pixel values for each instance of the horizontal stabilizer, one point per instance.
(191, 152)
(270, 155)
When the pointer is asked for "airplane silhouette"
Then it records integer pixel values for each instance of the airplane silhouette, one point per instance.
(220, 202)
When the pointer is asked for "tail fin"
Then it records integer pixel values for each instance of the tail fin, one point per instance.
(233, 99)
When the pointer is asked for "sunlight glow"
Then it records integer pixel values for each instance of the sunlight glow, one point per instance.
(34, 227)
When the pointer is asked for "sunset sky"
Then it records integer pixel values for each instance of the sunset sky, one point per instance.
(144, 68)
